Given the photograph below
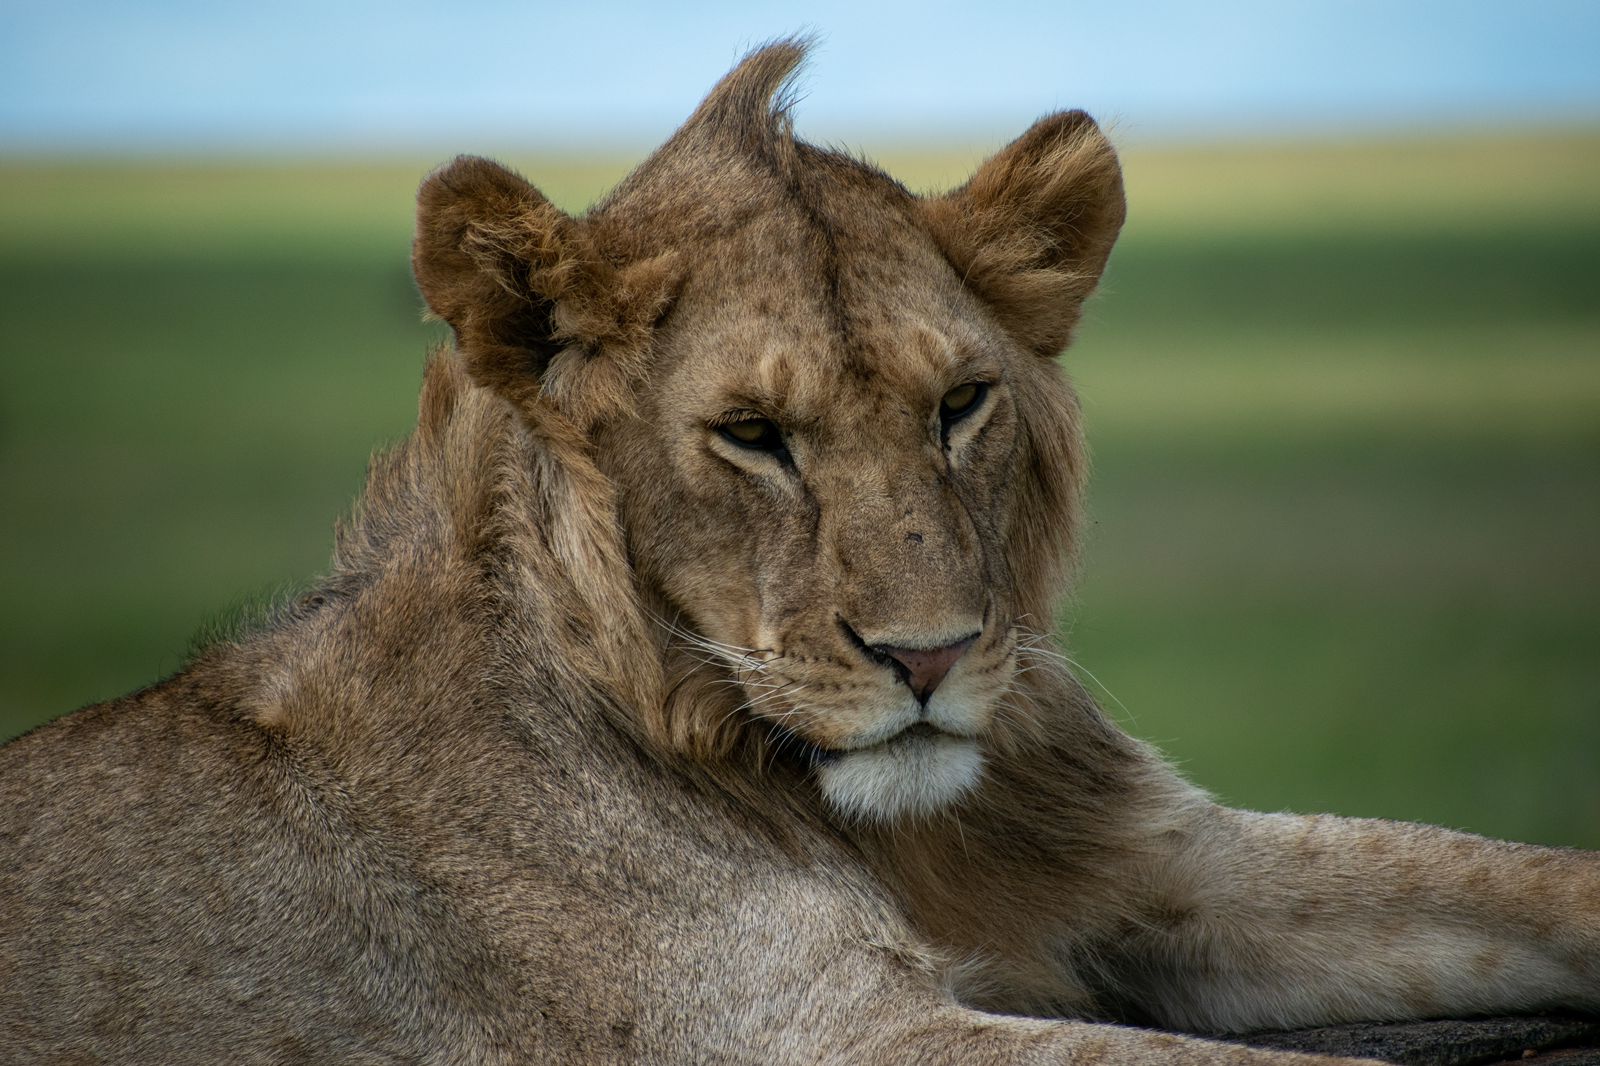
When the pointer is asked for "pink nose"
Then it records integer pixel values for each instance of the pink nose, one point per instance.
(926, 667)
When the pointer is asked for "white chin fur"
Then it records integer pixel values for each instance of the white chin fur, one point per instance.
(909, 776)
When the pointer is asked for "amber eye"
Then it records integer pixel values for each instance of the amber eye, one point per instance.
(757, 434)
(962, 401)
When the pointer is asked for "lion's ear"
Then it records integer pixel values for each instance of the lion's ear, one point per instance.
(520, 281)
(1030, 233)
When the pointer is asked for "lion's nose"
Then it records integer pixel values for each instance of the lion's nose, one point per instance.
(926, 667)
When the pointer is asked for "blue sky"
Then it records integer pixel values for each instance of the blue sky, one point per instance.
(200, 75)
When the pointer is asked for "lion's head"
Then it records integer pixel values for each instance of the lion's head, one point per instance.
(843, 458)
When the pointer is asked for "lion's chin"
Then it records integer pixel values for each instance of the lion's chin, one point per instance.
(906, 776)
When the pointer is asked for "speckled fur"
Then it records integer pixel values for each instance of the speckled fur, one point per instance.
(492, 795)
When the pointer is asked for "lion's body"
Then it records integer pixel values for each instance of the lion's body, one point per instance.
(677, 693)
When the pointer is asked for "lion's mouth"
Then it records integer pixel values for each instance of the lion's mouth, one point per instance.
(812, 754)
(918, 770)
(921, 768)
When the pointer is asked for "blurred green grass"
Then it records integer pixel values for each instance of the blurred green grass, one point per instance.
(1344, 402)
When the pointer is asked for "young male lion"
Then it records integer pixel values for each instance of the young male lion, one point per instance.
(682, 693)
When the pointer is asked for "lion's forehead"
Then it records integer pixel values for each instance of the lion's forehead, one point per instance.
(879, 366)
(793, 359)
(796, 299)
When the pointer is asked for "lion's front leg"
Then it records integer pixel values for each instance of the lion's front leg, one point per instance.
(1270, 920)
(797, 966)
(868, 1021)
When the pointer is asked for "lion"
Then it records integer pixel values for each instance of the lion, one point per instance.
(685, 689)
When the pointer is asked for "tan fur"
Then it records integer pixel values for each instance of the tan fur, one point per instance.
(589, 749)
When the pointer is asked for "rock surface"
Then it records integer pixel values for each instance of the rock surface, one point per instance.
(1556, 1040)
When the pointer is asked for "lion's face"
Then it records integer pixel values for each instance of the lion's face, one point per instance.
(843, 460)
(819, 480)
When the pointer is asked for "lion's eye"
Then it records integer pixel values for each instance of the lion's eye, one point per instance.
(757, 434)
(962, 401)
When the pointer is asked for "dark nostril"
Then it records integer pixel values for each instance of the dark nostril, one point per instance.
(924, 668)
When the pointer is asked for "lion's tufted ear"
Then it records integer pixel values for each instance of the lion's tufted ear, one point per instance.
(522, 283)
(1031, 231)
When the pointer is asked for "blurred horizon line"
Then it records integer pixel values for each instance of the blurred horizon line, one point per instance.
(871, 141)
